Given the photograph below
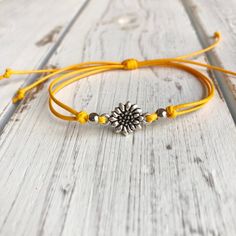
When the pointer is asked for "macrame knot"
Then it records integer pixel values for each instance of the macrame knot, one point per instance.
(102, 120)
(19, 96)
(130, 64)
(152, 117)
(171, 112)
(217, 34)
(82, 117)
(7, 73)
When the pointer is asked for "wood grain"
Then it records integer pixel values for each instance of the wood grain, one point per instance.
(208, 17)
(29, 33)
(173, 178)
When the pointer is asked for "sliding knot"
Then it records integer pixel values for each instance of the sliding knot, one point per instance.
(19, 96)
(7, 73)
(217, 34)
(171, 112)
(102, 120)
(151, 117)
(130, 64)
(82, 117)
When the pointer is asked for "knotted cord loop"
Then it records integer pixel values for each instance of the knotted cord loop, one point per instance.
(102, 120)
(130, 64)
(73, 73)
(152, 117)
(217, 34)
(19, 96)
(7, 73)
(82, 117)
(171, 111)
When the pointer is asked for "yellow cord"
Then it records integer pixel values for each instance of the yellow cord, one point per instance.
(65, 76)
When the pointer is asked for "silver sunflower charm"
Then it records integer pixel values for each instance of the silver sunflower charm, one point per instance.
(126, 118)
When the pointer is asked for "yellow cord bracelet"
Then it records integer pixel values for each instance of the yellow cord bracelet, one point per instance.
(127, 117)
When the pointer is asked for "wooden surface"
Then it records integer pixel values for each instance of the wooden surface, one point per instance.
(176, 177)
(29, 36)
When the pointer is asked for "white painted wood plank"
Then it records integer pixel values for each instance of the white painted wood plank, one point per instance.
(175, 178)
(28, 32)
(216, 15)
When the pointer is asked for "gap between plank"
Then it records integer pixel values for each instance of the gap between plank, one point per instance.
(11, 108)
(211, 57)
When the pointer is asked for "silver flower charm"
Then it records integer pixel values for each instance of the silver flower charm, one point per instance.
(126, 118)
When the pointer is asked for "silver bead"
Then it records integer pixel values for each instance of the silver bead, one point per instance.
(161, 112)
(93, 117)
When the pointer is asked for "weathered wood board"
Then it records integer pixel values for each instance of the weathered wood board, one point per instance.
(176, 177)
(29, 33)
(208, 17)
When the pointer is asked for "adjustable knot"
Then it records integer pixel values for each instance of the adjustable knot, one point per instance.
(19, 96)
(217, 34)
(82, 117)
(151, 117)
(7, 73)
(171, 112)
(130, 64)
(102, 119)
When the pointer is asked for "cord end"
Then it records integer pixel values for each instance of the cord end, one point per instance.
(217, 34)
(7, 74)
(19, 96)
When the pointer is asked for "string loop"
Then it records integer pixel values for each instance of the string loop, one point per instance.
(171, 111)
(7, 74)
(82, 117)
(152, 117)
(66, 76)
(130, 64)
(19, 96)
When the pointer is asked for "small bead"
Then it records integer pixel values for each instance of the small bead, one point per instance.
(93, 117)
(161, 112)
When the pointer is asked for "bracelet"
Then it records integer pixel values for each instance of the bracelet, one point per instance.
(126, 117)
